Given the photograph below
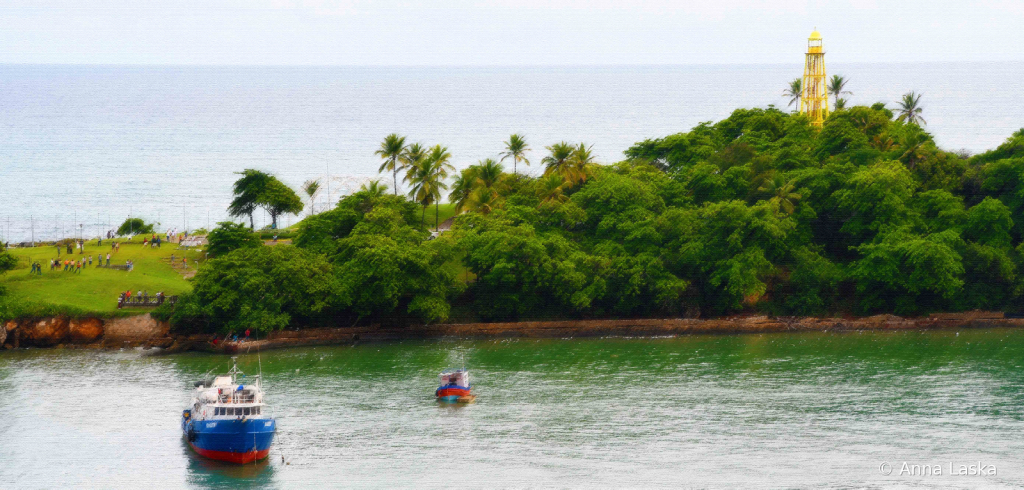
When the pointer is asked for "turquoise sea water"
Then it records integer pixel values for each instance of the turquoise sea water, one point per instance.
(91, 145)
(809, 410)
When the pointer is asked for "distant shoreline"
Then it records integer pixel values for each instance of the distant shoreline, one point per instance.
(147, 332)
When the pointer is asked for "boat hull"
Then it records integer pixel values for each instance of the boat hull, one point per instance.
(234, 441)
(451, 393)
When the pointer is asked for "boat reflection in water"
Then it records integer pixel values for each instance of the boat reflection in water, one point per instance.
(206, 472)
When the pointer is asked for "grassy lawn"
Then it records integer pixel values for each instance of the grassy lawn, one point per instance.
(447, 211)
(95, 290)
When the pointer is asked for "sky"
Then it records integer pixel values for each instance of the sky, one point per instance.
(504, 32)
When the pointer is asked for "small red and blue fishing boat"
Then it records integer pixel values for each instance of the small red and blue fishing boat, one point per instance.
(228, 421)
(455, 387)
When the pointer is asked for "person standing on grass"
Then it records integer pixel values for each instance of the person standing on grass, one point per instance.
(108, 259)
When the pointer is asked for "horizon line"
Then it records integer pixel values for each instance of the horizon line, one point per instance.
(511, 65)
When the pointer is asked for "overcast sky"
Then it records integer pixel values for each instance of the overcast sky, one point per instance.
(504, 32)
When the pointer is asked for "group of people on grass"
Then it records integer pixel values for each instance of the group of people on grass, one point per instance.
(154, 241)
(75, 266)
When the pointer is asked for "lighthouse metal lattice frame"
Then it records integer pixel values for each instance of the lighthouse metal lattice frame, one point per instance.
(814, 97)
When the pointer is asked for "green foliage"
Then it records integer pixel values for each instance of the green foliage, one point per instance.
(247, 190)
(7, 261)
(258, 189)
(757, 212)
(228, 236)
(134, 226)
(393, 152)
(729, 248)
(263, 288)
(875, 197)
(322, 231)
(908, 273)
(277, 198)
(519, 271)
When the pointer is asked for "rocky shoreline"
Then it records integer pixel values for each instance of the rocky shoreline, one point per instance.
(147, 332)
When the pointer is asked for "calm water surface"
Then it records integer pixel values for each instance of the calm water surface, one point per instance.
(798, 411)
(91, 145)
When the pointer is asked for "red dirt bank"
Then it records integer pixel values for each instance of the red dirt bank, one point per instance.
(143, 330)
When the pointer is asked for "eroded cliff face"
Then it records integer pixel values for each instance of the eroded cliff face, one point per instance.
(116, 332)
(85, 331)
(44, 333)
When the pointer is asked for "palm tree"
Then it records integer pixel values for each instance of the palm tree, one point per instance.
(837, 87)
(515, 148)
(551, 188)
(374, 188)
(913, 145)
(442, 166)
(391, 150)
(581, 163)
(421, 180)
(840, 103)
(428, 179)
(488, 173)
(558, 160)
(462, 188)
(794, 91)
(483, 201)
(310, 187)
(412, 155)
(783, 194)
(910, 110)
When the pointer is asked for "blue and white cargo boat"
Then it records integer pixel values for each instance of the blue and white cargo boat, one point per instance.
(228, 421)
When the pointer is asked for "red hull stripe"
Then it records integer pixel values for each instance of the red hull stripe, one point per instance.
(451, 392)
(240, 458)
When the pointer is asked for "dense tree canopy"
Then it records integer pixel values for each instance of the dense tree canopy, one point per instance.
(759, 212)
(228, 236)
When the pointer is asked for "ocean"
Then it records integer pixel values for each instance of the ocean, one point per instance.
(84, 147)
(784, 410)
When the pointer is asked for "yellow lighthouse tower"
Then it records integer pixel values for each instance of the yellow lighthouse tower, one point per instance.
(814, 98)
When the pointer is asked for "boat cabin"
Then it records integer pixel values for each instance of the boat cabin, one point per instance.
(455, 378)
(221, 398)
